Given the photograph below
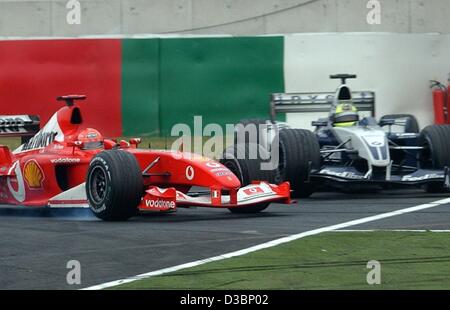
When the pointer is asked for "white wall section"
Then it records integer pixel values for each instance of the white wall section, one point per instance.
(236, 17)
(397, 67)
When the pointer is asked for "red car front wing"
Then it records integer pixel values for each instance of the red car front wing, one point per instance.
(168, 199)
(159, 199)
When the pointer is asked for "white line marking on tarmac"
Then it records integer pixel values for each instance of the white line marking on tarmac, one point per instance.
(270, 244)
(393, 230)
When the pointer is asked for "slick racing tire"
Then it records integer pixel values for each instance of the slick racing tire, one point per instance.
(436, 153)
(299, 154)
(411, 125)
(237, 159)
(248, 138)
(250, 209)
(114, 185)
(245, 160)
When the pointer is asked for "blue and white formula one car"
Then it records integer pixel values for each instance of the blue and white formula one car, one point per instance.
(346, 149)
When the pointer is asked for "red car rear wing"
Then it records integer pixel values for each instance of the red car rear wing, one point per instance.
(19, 125)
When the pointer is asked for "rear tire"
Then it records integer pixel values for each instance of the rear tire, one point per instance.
(436, 155)
(237, 159)
(114, 185)
(299, 154)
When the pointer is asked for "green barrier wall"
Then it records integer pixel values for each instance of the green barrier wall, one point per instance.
(168, 81)
(140, 86)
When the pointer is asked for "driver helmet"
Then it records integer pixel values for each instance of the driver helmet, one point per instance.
(345, 114)
(91, 138)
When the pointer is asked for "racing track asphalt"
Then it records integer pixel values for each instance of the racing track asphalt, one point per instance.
(35, 246)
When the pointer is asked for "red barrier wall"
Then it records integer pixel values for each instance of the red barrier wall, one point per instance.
(34, 72)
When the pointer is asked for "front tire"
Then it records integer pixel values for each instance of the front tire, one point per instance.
(299, 154)
(248, 138)
(114, 185)
(250, 209)
(237, 159)
(436, 154)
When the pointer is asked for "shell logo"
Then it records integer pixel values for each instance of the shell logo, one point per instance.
(33, 174)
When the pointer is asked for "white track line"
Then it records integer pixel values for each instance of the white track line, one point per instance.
(393, 230)
(270, 244)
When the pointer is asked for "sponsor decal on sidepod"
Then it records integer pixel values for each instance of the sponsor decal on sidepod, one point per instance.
(33, 174)
(65, 161)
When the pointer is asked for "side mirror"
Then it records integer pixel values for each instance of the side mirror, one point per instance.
(387, 122)
(319, 123)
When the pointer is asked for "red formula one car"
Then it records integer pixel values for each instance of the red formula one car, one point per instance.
(65, 164)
